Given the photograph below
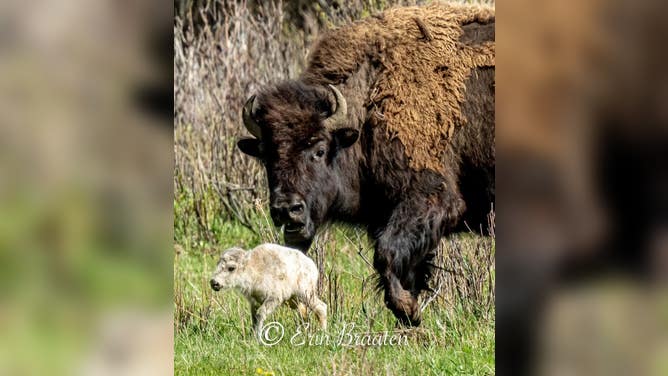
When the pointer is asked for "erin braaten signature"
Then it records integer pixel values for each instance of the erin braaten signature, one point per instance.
(345, 337)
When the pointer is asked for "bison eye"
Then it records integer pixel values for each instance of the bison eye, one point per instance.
(231, 268)
(320, 153)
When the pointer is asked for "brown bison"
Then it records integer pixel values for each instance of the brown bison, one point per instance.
(391, 127)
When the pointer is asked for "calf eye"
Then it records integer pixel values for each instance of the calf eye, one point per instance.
(231, 268)
(320, 153)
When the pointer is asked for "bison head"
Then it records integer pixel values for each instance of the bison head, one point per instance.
(300, 132)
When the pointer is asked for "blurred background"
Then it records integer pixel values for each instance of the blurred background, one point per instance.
(582, 211)
(85, 187)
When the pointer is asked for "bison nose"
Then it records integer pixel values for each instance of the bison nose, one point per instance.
(215, 285)
(296, 209)
(292, 210)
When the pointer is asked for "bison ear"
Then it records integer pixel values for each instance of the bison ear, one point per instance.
(345, 137)
(250, 146)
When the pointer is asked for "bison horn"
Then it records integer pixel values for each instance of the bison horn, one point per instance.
(340, 115)
(249, 121)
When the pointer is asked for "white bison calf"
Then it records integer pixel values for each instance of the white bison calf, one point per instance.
(269, 275)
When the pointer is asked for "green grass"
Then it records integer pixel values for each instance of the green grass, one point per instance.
(213, 336)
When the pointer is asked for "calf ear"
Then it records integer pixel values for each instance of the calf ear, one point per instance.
(345, 137)
(250, 146)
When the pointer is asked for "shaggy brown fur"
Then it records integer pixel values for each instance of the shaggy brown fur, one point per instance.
(401, 143)
(423, 57)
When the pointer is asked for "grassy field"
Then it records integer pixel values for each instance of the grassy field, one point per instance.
(213, 335)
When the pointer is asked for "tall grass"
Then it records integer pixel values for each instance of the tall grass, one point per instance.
(213, 330)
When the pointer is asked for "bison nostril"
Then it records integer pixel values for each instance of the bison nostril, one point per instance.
(297, 208)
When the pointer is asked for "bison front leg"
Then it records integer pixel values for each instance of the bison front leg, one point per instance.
(405, 248)
(397, 298)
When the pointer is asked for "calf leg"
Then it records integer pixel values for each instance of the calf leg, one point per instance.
(320, 309)
(264, 310)
(299, 306)
(254, 306)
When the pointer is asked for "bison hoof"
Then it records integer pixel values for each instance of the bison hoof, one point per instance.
(406, 309)
(409, 318)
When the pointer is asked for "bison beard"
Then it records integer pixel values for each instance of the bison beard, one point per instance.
(337, 145)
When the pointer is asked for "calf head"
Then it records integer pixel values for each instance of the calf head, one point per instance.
(229, 271)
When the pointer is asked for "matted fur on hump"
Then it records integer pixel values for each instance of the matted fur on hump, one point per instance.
(422, 59)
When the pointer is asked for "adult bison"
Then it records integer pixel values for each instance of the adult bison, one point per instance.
(391, 127)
